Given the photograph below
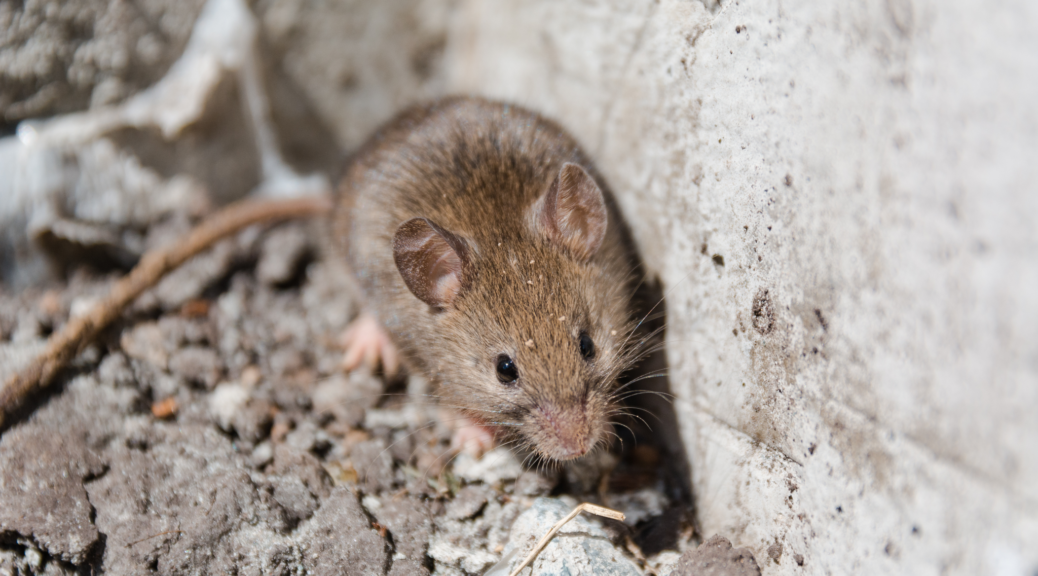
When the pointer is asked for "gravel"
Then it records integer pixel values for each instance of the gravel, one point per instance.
(220, 436)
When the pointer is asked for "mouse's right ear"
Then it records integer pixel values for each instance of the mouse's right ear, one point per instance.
(431, 261)
(572, 213)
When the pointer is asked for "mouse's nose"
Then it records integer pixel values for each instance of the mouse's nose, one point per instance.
(567, 434)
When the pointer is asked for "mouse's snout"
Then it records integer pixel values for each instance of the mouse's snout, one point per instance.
(563, 433)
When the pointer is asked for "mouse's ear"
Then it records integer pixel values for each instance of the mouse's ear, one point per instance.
(431, 260)
(572, 213)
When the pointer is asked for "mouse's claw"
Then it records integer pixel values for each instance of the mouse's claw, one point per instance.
(365, 342)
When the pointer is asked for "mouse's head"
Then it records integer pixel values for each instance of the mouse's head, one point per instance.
(533, 318)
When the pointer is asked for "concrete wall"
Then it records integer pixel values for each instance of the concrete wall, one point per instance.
(840, 199)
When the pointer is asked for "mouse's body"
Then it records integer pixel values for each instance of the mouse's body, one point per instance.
(486, 245)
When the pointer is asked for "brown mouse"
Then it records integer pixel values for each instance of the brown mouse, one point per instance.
(487, 246)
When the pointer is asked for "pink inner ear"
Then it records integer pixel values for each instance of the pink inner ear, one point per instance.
(430, 260)
(572, 213)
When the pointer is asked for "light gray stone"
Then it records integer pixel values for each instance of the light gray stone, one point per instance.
(579, 547)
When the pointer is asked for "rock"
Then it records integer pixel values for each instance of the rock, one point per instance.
(41, 490)
(145, 342)
(535, 483)
(495, 466)
(347, 398)
(373, 464)
(289, 461)
(197, 364)
(191, 279)
(582, 546)
(48, 462)
(340, 535)
(455, 555)
(639, 505)
(716, 557)
(65, 57)
(469, 501)
(181, 505)
(281, 254)
(404, 566)
(410, 523)
(115, 369)
(226, 402)
(294, 497)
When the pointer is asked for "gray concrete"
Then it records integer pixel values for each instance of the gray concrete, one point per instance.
(859, 376)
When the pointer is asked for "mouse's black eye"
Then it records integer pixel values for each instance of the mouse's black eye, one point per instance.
(506, 370)
(587, 346)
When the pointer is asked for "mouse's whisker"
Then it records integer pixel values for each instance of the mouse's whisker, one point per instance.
(636, 417)
(640, 409)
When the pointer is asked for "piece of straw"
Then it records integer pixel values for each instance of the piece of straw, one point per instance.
(585, 507)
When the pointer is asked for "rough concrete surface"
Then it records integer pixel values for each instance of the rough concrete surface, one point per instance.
(63, 56)
(840, 201)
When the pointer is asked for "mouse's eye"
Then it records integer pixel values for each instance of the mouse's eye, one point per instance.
(587, 346)
(506, 370)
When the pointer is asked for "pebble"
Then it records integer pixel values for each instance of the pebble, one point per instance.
(225, 402)
(495, 466)
(582, 546)
(716, 557)
(469, 501)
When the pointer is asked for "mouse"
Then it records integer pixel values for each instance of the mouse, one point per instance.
(491, 258)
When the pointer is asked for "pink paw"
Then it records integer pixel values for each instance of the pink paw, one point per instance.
(366, 342)
(472, 438)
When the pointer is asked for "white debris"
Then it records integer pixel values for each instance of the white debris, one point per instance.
(495, 466)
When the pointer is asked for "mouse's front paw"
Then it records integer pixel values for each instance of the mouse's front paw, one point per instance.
(472, 438)
(366, 342)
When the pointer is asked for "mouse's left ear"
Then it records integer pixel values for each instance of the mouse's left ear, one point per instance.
(431, 261)
(572, 213)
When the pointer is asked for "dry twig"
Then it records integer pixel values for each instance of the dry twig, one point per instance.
(585, 507)
(63, 346)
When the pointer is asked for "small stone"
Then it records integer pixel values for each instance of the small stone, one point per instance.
(639, 505)
(115, 369)
(197, 364)
(281, 254)
(469, 501)
(409, 521)
(347, 398)
(581, 546)
(373, 464)
(144, 342)
(371, 504)
(304, 437)
(262, 454)
(340, 537)
(716, 557)
(226, 402)
(533, 483)
(495, 466)
(82, 306)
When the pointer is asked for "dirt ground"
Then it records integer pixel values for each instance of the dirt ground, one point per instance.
(211, 431)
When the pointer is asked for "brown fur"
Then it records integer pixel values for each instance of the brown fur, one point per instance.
(476, 169)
